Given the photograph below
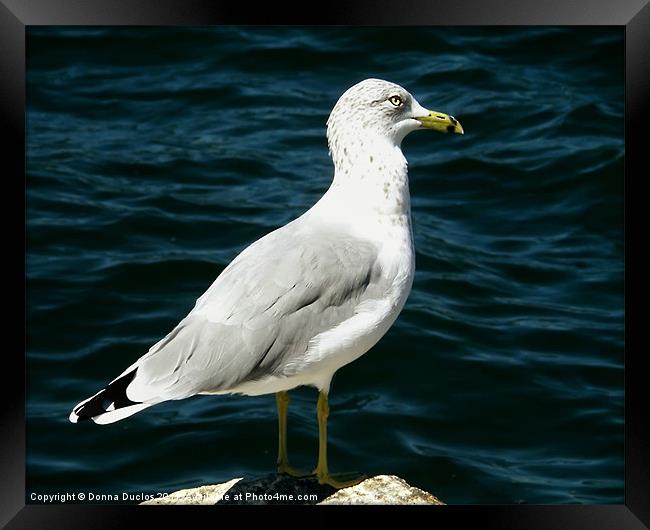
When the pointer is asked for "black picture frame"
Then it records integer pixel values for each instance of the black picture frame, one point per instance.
(16, 15)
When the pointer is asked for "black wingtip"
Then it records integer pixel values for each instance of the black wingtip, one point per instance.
(114, 394)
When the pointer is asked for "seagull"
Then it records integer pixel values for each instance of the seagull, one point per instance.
(307, 298)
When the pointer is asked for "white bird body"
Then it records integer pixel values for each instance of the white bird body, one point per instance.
(379, 212)
(309, 297)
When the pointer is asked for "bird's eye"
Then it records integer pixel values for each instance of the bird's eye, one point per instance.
(396, 101)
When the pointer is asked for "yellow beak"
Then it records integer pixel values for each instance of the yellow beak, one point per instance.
(441, 122)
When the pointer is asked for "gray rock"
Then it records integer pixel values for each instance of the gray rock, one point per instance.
(201, 495)
(382, 489)
(280, 489)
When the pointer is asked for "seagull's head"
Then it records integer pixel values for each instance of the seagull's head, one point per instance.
(384, 109)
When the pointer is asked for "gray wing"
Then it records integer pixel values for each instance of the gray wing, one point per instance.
(259, 315)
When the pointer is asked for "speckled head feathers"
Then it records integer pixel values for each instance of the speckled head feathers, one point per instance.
(372, 110)
(371, 106)
(373, 115)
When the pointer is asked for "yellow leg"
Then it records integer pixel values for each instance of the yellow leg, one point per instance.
(322, 471)
(282, 401)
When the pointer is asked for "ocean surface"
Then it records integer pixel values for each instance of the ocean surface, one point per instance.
(155, 155)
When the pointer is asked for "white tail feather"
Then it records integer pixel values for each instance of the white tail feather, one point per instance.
(119, 414)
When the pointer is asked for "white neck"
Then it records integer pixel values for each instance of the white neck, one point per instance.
(370, 178)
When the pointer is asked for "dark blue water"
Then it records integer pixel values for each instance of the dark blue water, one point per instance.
(156, 155)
